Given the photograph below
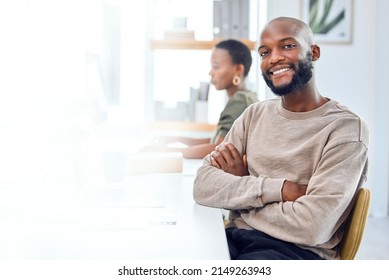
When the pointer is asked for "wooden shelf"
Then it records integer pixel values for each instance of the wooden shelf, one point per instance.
(192, 44)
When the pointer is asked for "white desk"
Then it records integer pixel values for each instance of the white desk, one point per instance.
(74, 230)
(190, 166)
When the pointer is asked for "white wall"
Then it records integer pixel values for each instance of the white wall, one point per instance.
(379, 112)
(356, 75)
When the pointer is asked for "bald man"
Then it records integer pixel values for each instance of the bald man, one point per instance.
(289, 168)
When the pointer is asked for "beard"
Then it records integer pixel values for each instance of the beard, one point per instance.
(303, 74)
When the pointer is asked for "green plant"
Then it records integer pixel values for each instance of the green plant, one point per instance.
(319, 21)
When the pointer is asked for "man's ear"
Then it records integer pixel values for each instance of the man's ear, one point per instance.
(315, 52)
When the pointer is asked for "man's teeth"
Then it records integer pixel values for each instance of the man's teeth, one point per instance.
(280, 71)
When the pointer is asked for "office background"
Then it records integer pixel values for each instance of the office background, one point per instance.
(43, 88)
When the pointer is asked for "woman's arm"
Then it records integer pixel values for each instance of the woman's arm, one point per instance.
(189, 141)
(197, 151)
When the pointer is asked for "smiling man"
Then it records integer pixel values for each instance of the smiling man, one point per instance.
(289, 168)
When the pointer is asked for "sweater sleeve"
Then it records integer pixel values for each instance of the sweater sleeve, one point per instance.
(216, 188)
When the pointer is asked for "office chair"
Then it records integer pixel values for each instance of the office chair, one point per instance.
(355, 226)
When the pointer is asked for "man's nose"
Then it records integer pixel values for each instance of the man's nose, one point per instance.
(276, 56)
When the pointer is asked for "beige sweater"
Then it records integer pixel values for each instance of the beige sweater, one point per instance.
(325, 148)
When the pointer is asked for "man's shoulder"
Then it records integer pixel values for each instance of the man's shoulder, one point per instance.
(346, 112)
(351, 121)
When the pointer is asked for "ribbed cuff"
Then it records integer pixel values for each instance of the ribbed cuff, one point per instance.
(271, 190)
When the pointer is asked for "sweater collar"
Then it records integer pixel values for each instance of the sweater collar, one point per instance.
(322, 110)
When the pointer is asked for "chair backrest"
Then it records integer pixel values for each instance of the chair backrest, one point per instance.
(355, 226)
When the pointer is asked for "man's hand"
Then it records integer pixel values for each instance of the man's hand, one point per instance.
(227, 158)
(291, 191)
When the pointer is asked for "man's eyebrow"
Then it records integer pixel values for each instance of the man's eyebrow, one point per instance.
(280, 41)
(288, 38)
(260, 47)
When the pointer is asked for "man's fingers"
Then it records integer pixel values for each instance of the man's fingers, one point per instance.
(225, 153)
(233, 151)
(218, 158)
(226, 157)
(245, 160)
(214, 162)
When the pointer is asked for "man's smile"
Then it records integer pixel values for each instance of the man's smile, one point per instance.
(279, 71)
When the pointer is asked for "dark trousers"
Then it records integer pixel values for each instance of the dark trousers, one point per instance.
(256, 245)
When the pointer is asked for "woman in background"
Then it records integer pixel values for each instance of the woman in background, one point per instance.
(230, 64)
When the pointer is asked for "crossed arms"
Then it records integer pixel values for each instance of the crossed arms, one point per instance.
(227, 158)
